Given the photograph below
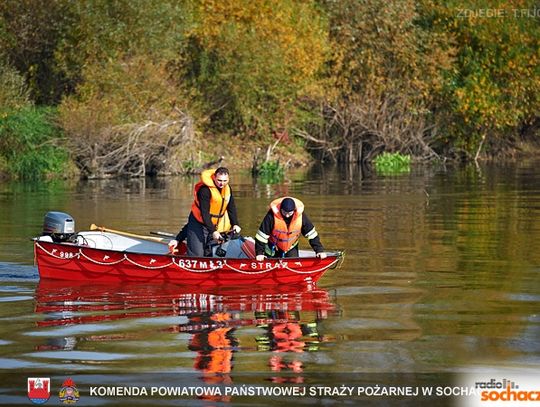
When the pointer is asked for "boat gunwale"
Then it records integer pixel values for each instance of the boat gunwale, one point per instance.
(335, 253)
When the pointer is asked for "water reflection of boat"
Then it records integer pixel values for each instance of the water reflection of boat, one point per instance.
(64, 302)
(282, 321)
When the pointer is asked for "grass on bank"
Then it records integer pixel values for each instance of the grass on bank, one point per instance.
(29, 145)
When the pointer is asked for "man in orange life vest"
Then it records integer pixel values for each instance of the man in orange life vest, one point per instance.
(281, 228)
(213, 211)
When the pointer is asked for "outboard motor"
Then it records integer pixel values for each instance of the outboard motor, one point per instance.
(59, 226)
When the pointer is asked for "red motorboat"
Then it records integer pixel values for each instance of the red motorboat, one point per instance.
(105, 255)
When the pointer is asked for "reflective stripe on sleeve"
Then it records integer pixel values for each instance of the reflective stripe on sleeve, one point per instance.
(311, 234)
(262, 237)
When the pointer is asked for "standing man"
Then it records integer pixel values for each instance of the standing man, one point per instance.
(281, 228)
(213, 211)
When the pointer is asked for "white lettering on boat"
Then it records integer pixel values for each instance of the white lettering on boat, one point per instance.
(200, 265)
(67, 255)
(262, 265)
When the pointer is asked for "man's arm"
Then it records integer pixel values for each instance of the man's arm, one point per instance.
(264, 232)
(231, 210)
(309, 231)
(182, 235)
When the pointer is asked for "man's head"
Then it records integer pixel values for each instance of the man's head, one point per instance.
(287, 207)
(221, 177)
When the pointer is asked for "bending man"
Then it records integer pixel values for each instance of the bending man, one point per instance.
(281, 228)
(213, 211)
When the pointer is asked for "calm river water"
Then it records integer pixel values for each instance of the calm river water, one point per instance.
(440, 279)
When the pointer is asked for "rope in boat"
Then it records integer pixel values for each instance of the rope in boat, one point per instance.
(103, 263)
(147, 267)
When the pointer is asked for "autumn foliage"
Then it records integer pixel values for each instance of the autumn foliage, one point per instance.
(139, 86)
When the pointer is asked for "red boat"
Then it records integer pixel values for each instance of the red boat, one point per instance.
(105, 255)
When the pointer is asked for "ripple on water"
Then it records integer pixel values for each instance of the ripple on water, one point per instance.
(524, 297)
(80, 355)
(18, 272)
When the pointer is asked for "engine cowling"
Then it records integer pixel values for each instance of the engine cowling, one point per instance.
(59, 225)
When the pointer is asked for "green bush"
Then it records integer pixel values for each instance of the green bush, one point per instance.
(271, 172)
(392, 163)
(29, 144)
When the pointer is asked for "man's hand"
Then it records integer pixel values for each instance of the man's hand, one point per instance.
(321, 255)
(259, 257)
(217, 236)
(236, 229)
(172, 246)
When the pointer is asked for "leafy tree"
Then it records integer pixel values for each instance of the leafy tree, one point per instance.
(106, 30)
(126, 110)
(251, 61)
(125, 119)
(29, 35)
(385, 73)
(494, 85)
(14, 93)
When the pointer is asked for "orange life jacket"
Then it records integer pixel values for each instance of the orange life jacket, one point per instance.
(286, 237)
(218, 202)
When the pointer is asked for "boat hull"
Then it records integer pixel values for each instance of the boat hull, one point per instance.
(62, 261)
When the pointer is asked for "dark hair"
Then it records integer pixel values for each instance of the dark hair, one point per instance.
(221, 170)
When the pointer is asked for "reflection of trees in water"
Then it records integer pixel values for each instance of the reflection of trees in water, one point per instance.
(113, 186)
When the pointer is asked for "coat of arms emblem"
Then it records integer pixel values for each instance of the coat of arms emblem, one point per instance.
(39, 389)
(68, 392)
